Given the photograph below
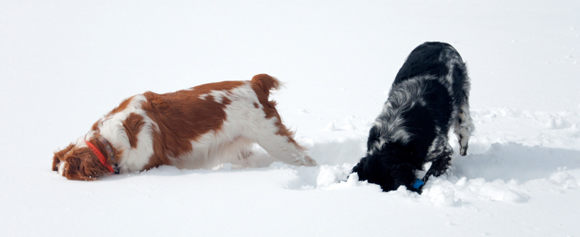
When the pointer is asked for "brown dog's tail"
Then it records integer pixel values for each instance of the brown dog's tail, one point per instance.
(263, 83)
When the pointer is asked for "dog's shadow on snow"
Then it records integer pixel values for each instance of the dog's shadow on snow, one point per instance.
(515, 161)
(331, 153)
(260, 160)
(505, 161)
(501, 161)
(166, 170)
(508, 161)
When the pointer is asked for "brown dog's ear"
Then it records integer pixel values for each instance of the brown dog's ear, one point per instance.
(83, 164)
(59, 155)
(71, 173)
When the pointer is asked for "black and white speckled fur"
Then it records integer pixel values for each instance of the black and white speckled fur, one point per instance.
(429, 95)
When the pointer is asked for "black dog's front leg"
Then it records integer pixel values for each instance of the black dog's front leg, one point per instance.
(440, 156)
(438, 167)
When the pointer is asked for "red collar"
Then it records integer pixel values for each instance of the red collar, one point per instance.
(101, 156)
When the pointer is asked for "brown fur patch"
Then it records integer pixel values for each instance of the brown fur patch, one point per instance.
(121, 106)
(117, 109)
(183, 116)
(95, 126)
(133, 124)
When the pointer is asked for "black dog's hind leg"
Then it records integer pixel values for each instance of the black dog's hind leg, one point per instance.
(461, 121)
(463, 127)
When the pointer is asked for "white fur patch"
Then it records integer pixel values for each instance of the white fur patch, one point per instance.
(61, 168)
(111, 128)
(244, 125)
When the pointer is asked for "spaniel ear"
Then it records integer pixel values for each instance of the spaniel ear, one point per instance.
(71, 172)
(83, 165)
(59, 156)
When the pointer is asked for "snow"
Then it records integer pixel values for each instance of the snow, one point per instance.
(64, 64)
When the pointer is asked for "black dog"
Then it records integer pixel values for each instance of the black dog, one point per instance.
(429, 95)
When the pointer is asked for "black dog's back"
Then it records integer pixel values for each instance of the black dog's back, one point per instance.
(437, 59)
(424, 60)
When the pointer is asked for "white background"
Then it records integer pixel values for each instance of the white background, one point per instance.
(63, 64)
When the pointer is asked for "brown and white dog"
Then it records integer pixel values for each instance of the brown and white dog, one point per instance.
(196, 128)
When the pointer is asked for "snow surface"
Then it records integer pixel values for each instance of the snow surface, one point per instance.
(63, 64)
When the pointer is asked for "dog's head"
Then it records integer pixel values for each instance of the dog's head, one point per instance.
(78, 162)
(387, 168)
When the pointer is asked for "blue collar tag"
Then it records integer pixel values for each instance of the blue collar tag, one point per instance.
(418, 183)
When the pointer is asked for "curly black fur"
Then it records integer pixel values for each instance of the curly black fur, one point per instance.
(429, 95)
